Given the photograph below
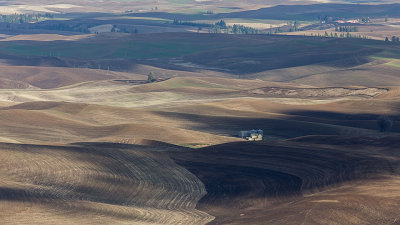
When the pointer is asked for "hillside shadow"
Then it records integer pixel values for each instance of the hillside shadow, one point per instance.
(363, 120)
(237, 175)
(52, 201)
(107, 180)
(295, 124)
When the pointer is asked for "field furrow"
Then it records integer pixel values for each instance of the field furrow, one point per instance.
(93, 184)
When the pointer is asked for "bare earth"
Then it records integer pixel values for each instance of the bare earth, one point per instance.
(92, 146)
(49, 176)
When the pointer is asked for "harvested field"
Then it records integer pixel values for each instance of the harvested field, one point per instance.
(102, 184)
(188, 111)
(274, 181)
(282, 182)
(319, 92)
(268, 57)
(97, 146)
(45, 37)
(21, 77)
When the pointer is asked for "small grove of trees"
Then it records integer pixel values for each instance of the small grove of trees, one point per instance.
(78, 27)
(25, 18)
(341, 35)
(125, 29)
(193, 24)
(240, 29)
(221, 24)
(394, 39)
(293, 26)
(346, 28)
(151, 78)
(328, 19)
(220, 27)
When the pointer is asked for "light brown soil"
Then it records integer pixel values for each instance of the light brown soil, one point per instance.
(20, 77)
(46, 37)
(95, 184)
(47, 178)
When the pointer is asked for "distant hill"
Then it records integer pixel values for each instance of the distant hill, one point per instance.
(294, 12)
(236, 54)
(312, 12)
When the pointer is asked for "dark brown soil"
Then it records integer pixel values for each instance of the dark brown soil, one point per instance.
(263, 182)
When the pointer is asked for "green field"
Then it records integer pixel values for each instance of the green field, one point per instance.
(236, 53)
(127, 49)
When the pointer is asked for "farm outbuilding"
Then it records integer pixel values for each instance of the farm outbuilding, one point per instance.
(252, 135)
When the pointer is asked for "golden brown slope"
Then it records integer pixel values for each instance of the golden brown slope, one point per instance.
(189, 111)
(95, 184)
(54, 77)
(277, 181)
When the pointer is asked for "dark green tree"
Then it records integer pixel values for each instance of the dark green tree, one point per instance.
(151, 78)
(221, 24)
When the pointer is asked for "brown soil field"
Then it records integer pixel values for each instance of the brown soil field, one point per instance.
(282, 182)
(46, 37)
(334, 76)
(19, 77)
(189, 111)
(378, 29)
(143, 6)
(274, 182)
(96, 184)
(84, 146)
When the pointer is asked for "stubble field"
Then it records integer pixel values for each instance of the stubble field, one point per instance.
(99, 146)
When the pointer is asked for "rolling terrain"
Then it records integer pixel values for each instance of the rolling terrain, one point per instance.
(278, 182)
(186, 6)
(85, 139)
(266, 57)
(101, 184)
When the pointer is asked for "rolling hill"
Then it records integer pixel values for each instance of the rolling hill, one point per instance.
(85, 139)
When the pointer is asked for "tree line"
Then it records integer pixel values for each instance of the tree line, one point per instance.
(220, 27)
(394, 39)
(25, 18)
(346, 28)
(340, 35)
(193, 24)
